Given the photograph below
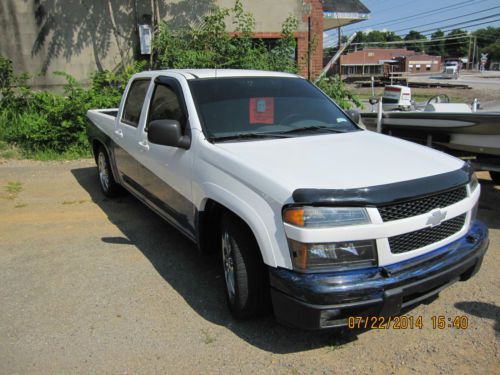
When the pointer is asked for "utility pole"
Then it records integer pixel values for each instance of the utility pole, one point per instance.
(309, 47)
(339, 46)
(153, 23)
(474, 53)
(469, 57)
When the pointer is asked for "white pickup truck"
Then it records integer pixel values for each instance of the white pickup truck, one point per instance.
(311, 214)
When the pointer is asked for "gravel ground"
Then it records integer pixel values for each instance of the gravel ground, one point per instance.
(90, 285)
(485, 87)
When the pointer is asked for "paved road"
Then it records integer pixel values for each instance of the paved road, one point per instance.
(90, 285)
(486, 80)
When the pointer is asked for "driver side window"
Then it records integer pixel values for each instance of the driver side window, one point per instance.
(165, 105)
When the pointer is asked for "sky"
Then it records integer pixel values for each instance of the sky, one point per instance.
(425, 16)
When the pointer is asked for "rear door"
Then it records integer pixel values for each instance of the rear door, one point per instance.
(127, 132)
(165, 171)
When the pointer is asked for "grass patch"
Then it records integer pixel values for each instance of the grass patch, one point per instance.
(20, 205)
(74, 202)
(48, 155)
(207, 337)
(13, 187)
(8, 151)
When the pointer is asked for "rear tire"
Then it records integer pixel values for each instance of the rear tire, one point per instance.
(495, 177)
(246, 281)
(109, 186)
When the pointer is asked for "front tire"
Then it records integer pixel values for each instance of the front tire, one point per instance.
(246, 282)
(109, 186)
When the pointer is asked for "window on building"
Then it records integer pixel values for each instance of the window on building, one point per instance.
(428, 67)
(270, 43)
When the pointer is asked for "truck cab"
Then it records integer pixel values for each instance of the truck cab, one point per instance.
(310, 214)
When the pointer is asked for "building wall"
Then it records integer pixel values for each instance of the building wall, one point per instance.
(77, 37)
(369, 58)
(316, 37)
(80, 37)
(423, 63)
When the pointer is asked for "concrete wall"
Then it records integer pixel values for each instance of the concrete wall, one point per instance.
(269, 15)
(75, 36)
(82, 36)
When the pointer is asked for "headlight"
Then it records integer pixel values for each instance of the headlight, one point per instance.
(320, 217)
(314, 256)
(473, 184)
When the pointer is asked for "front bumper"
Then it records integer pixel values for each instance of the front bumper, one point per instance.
(325, 300)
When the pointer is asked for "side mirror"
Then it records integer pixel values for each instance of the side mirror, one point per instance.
(353, 115)
(168, 133)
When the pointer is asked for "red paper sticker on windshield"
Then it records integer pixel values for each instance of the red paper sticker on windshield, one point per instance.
(261, 111)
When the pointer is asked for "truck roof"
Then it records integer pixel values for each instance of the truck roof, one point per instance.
(216, 73)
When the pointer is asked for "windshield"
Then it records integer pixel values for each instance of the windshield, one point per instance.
(263, 107)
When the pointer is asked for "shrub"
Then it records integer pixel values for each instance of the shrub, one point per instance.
(212, 46)
(45, 124)
(51, 124)
(336, 89)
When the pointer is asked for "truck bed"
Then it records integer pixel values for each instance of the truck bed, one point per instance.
(104, 119)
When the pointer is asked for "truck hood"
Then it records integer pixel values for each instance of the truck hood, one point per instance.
(332, 161)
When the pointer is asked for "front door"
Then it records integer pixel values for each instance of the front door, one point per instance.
(165, 171)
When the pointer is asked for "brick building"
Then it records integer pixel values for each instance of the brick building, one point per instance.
(377, 61)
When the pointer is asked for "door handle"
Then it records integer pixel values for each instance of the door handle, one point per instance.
(119, 133)
(143, 145)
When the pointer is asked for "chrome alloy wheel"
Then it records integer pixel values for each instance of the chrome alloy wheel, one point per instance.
(228, 265)
(103, 171)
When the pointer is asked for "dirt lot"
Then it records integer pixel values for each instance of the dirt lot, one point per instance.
(90, 285)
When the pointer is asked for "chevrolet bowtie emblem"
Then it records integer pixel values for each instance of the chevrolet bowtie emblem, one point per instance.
(436, 218)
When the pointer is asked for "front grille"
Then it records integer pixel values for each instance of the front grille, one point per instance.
(422, 205)
(423, 237)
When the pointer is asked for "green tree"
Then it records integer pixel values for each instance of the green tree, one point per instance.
(488, 41)
(456, 47)
(487, 36)
(437, 47)
(412, 41)
(493, 51)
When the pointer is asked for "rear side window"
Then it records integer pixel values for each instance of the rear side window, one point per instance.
(134, 101)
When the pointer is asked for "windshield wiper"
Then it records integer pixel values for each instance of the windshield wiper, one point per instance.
(247, 136)
(311, 128)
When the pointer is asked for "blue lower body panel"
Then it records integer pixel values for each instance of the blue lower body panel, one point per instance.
(325, 300)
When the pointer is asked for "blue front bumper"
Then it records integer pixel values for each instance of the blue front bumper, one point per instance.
(324, 300)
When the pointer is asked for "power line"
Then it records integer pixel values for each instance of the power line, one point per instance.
(447, 19)
(446, 38)
(476, 24)
(462, 4)
(414, 40)
(453, 27)
(453, 38)
(461, 23)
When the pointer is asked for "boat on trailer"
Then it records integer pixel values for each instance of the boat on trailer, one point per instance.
(456, 128)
